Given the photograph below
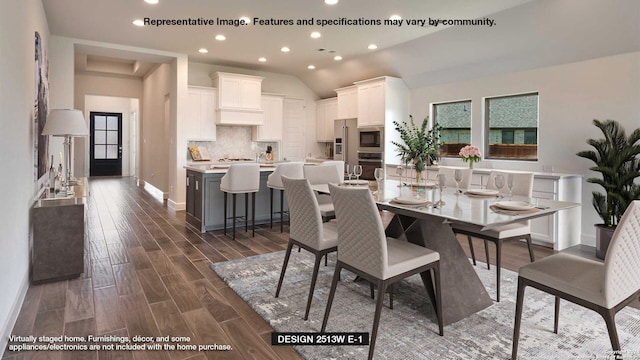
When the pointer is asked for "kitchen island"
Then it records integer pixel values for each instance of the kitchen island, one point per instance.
(205, 199)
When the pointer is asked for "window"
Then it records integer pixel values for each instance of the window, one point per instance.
(455, 119)
(512, 123)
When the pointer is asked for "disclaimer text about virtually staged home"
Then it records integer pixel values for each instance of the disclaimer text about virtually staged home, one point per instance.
(109, 343)
(341, 21)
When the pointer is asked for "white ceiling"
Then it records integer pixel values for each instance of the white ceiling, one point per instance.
(527, 34)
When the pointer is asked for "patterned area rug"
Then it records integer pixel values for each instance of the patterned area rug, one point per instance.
(409, 331)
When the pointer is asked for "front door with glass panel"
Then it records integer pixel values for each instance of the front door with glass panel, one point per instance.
(106, 144)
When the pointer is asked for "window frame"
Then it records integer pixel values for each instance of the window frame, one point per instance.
(433, 106)
(487, 128)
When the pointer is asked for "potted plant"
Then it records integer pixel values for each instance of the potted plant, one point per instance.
(617, 159)
(420, 146)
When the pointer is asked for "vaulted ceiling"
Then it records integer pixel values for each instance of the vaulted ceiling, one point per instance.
(525, 34)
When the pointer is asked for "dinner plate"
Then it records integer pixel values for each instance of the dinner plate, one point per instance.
(514, 205)
(409, 200)
(483, 192)
(356, 182)
(427, 184)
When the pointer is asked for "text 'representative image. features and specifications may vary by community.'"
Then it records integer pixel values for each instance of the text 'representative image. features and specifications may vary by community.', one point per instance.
(340, 21)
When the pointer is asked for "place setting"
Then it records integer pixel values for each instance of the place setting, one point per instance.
(509, 207)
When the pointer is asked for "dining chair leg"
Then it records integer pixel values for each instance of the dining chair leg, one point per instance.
(253, 214)
(233, 197)
(376, 318)
(246, 212)
(473, 254)
(439, 315)
(326, 257)
(284, 267)
(332, 293)
(225, 213)
(314, 277)
(528, 238)
(498, 267)
(371, 288)
(281, 211)
(516, 326)
(271, 207)
(486, 253)
(391, 296)
(556, 315)
(609, 318)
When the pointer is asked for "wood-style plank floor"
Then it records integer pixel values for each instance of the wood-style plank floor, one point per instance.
(147, 273)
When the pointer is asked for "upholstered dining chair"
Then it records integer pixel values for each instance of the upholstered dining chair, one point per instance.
(241, 179)
(339, 164)
(449, 176)
(274, 182)
(307, 230)
(522, 186)
(323, 174)
(605, 287)
(364, 249)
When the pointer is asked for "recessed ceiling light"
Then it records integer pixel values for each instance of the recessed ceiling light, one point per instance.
(203, 51)
(151, 1)
(246, 20)
(315, 35)
(220, 37)
(311, 67)
(330, 2)
(372, 46)
(337, 58)
(262, 59)
(285, 49)
(138, 22)
(395, 17)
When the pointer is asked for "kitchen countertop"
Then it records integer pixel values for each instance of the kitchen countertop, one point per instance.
(221, 168)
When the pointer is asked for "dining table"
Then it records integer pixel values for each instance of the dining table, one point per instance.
(423, 214)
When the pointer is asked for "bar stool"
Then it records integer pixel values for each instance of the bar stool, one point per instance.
(292, 170)
(241, 179)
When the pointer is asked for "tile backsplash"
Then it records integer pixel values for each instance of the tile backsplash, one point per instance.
(234, 142)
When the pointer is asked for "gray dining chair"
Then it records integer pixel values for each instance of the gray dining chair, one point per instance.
(449, 176)
(323, 174)
(364, 249)
(605, 288)
(307, 230)
(522, 186)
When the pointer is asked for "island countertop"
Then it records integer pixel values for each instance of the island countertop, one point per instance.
(222, 168)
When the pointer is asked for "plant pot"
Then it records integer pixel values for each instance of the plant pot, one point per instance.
(603, 238)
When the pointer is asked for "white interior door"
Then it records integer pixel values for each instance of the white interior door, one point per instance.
(293, 139)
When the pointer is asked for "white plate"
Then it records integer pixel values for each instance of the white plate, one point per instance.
(483, 192)
(409, 200)
(427, 184)
(356, 182)
(514, 205)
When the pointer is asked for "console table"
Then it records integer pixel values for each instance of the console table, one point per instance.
(57, 251)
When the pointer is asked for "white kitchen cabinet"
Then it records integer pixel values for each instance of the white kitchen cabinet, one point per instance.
(272, 105)
(239, 100)
(371, 103)
(326, 114)
(200, 123)
(347, 102)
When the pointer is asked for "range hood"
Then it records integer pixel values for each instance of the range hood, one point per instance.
(239, 99)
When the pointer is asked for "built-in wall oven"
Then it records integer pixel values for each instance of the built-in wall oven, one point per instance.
(371, 139)
(369, 162)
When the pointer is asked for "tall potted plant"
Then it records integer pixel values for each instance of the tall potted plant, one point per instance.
(617, 159)
(420, 146)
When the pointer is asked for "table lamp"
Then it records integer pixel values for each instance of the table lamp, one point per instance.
(67, 123)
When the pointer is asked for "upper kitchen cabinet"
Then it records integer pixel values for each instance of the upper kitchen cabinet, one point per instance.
(200, 123)
(239, 99)
(347, 102)
(273, 106)
(326, 114)
(381, 101)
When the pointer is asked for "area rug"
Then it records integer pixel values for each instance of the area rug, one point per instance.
(409, 331)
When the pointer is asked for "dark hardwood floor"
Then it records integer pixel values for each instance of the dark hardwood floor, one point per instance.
(147, 273)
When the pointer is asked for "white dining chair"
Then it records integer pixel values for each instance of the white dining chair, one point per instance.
(364, 249)
(241, 179)
(339, 164)
(522, 186)
(449, 176)
(605, 288)
(323, 174)
(307, 230)
(274, 182)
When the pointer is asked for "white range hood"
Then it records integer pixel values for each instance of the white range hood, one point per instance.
(239, 99)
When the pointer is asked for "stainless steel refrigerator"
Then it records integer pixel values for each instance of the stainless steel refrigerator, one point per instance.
(345, 144)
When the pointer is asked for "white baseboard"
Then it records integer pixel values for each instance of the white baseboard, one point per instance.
(10, 321)
(155, 191)
(175, 206)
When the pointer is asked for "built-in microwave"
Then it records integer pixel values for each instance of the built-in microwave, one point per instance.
(371, 139)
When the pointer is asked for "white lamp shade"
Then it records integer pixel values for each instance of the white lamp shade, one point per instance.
(65, 122)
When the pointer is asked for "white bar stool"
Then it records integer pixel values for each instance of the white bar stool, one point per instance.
(241, 179)
(292, 170)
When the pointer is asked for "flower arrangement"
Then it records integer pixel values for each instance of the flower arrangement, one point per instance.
(419, 145)
(470, 154)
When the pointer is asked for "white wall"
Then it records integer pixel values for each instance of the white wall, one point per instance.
(19, 20)
(287, 85)
(570, 97)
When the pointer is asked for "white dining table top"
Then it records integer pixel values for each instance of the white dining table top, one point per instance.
(481, 211)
